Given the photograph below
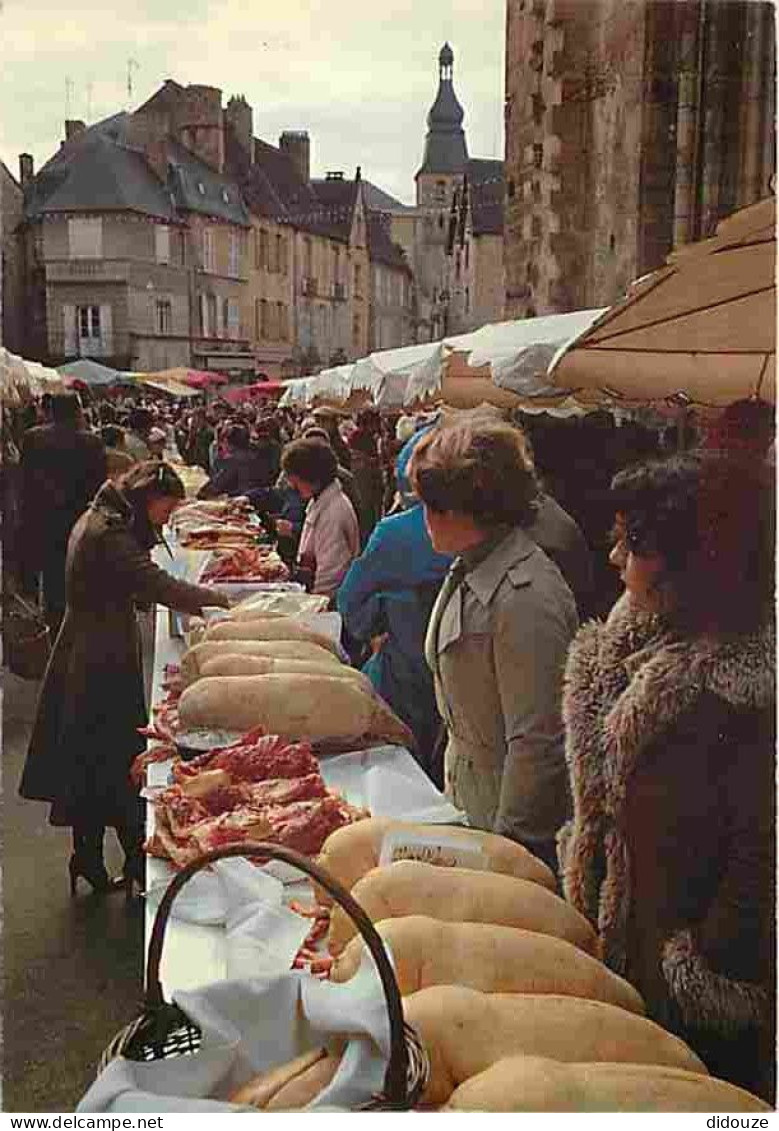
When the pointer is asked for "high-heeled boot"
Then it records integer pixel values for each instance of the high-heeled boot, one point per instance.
(87, 863)
(134, 870)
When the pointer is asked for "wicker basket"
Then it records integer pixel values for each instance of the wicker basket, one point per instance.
(163, 1030)
(26, 639)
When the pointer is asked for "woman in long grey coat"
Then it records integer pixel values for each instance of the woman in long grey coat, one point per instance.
(498, 634)
(92, 701)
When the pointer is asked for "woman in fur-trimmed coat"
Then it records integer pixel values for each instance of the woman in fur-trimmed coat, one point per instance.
(669, 714)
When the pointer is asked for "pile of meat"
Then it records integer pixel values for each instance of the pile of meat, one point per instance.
(247, 563)
(207, 524)
(261, 788)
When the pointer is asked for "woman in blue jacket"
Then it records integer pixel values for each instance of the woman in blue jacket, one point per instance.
(386, 598)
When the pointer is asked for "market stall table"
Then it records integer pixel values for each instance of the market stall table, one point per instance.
(194, 953)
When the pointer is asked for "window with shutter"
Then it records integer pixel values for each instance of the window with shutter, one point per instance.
(213, 317)
(209, 258)
(233, 318)
(162, 243)
(92, 328)
(279, 321)
(69, 330)
(106, 330)
(85, 237)
(264, 328)
(164, 316)
(235, 255)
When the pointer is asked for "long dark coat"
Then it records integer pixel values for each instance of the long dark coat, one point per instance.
(92, 699)
(670, 746)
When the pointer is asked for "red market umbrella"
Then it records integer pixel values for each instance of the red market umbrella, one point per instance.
(249, 392)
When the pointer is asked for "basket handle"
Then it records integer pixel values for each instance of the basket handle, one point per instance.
(395, 1079)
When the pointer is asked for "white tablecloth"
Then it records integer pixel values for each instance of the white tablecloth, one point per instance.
(385, 780)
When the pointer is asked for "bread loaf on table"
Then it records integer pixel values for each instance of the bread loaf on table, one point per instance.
(351, 852)
(267, 628)
(260, 1091)
(461, 895)
(194, 657)
(465, 1031)
(295, 706)
(525, 1083)
(235, 664)
(430, 952)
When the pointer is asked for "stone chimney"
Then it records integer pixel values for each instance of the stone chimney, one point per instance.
(148, 134)
(73, 127)
(199, 124)
(239, 114)
(26, 169)
(297, 146)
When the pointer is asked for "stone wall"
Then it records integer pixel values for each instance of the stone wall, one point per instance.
(630, 127)
(11, 264)
(270, 280)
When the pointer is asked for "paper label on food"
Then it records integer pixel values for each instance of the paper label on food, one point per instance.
(433, 847)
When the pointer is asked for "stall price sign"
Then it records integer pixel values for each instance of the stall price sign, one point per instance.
(432, 846)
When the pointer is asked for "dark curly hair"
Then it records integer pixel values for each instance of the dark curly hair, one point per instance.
(311, 460)
(710, 518)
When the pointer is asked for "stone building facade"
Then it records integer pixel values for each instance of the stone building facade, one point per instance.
(135, 247)
(632, 126)
(11, 264)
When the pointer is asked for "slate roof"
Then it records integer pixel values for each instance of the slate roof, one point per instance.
(99, 171)
(274, 188)
(220, 196)
(377, 200)
(338, 199)
(486, 180)
(382, 249)
(446, 150)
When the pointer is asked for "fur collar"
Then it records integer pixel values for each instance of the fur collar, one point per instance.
(626, 682)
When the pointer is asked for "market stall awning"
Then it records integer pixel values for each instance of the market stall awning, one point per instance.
(172, 388)
(194, 378)
(90, 372)
(257, 391)
(700, 329)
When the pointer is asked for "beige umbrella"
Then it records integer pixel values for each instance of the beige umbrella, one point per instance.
(701, 329)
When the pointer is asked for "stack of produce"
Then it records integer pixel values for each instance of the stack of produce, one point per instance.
(502, 984)
(261, 788)
(280, 674)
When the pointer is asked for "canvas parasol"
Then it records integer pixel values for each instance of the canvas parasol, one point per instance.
(90, 373)
(701, 329)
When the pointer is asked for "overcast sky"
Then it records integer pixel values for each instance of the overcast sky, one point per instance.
(361, 83)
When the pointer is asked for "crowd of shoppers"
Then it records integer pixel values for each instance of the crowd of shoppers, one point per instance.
(466, 555)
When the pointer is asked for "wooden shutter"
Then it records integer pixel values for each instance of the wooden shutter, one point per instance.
(69, 337)
(106, 329)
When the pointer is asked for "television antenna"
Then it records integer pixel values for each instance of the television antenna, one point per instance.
(69, 91)
(132, 65)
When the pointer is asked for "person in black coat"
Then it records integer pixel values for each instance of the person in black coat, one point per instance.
(92, 702)
(62, 466)
(244, 470)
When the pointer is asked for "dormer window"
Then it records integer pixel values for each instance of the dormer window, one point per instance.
(201, 188)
